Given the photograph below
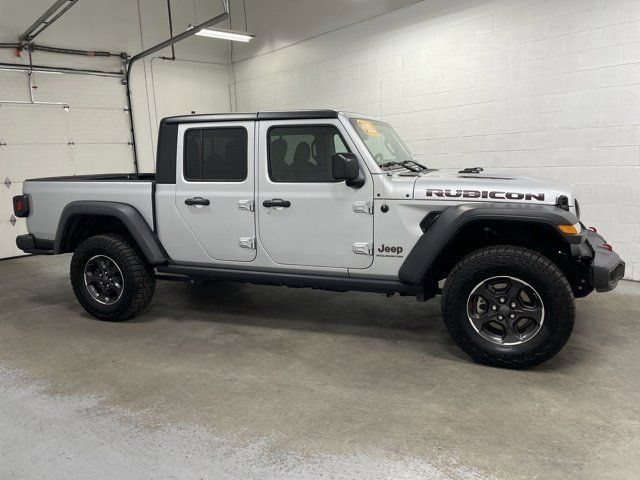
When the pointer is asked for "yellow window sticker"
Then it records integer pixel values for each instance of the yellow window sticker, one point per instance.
(368, 128)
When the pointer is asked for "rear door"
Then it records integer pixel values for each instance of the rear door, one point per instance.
(322, 222)
(215, 188)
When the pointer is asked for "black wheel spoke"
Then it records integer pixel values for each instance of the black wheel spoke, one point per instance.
(103, 279)
(511, 334)
(535, 315)
(479, 321)
(485, 291)
(505, 310)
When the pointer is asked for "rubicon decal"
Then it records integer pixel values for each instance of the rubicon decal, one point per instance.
(440, 193)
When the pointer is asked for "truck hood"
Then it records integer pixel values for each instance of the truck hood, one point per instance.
(442, 185)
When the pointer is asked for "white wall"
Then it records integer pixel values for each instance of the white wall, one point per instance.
(549, 88)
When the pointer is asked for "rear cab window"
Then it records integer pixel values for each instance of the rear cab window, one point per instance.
(215, 154)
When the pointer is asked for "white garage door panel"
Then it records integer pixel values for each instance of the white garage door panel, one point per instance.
(8, 234)
(33, 124)
(94, 159)
(38, 137)
(20, 162)
(99, 126)
(13, 86)
(81, 90)
(6, 204)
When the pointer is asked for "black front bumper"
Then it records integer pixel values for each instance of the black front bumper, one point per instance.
(607, 268)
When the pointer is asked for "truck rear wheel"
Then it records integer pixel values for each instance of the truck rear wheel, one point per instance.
(110, 277)
(508, 307)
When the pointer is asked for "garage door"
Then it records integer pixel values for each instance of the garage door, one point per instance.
(85, 131)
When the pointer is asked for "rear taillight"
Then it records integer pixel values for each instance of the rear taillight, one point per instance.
(21, 206)
(607, 246)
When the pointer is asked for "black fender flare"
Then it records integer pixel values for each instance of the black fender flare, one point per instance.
(132, 219)
(454, 218)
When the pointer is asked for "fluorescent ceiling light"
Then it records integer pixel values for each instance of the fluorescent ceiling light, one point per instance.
(226, 35)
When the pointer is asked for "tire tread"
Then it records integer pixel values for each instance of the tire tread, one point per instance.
(561, 301)
(130, 258)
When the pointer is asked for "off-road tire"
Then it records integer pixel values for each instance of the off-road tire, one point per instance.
(522, 263)
(139, 279)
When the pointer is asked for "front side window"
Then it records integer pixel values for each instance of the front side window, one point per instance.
(303, 153)
(215, 154)
(382, 141)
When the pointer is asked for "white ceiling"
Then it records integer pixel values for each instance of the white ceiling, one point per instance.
(114, 25)
(279, 23)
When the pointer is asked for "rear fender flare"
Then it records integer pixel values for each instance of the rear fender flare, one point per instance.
(131, 218)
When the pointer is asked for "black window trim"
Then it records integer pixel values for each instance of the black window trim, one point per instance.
(301, 125)
(219, 127)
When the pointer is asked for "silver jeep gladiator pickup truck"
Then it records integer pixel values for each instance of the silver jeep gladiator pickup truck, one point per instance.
(327, 200)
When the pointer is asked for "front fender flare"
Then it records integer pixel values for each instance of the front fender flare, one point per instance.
(454, 218)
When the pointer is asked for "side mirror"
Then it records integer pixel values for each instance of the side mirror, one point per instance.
(345, 166)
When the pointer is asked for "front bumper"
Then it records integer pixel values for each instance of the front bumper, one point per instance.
(607, 268)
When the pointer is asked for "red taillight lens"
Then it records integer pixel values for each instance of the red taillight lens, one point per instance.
(608, 246)
(593, 229)
(21, 206)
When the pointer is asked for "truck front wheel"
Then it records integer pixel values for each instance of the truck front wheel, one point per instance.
(508, 307)
(110, 278)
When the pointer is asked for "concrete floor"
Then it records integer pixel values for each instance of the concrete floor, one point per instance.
(243, 381)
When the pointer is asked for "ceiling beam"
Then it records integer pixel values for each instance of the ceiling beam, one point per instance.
(53, 13)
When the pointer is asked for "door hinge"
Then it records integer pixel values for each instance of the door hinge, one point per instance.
(247, 242)
(363, 248)
(248, 205)
(363, 207)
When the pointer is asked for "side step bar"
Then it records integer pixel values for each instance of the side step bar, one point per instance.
(338, 284)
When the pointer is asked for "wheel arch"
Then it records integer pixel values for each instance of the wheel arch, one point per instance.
(460, 229)
(82, 219)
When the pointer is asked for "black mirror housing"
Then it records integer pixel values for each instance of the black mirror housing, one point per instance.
(345, 166)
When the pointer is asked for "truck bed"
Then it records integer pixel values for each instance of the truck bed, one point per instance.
(49, 197)
(103, 177)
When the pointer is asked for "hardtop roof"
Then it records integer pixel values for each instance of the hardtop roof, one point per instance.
(268, 115)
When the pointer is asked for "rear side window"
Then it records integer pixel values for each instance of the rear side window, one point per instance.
(215, 154)
(303, 153)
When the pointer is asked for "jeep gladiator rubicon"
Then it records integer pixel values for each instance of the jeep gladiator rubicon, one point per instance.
(334, 201)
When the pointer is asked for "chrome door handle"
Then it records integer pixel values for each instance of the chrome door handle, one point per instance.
(197, 201)
(276, 202)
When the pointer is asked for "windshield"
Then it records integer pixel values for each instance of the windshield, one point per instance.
(384, 144)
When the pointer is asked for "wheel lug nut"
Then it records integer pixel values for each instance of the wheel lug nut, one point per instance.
(512, 316)
(500, 317)
(502, 300)
(494, 308)
(513, 305)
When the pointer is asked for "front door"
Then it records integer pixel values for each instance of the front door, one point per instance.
(305, 217)
(215, 188)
